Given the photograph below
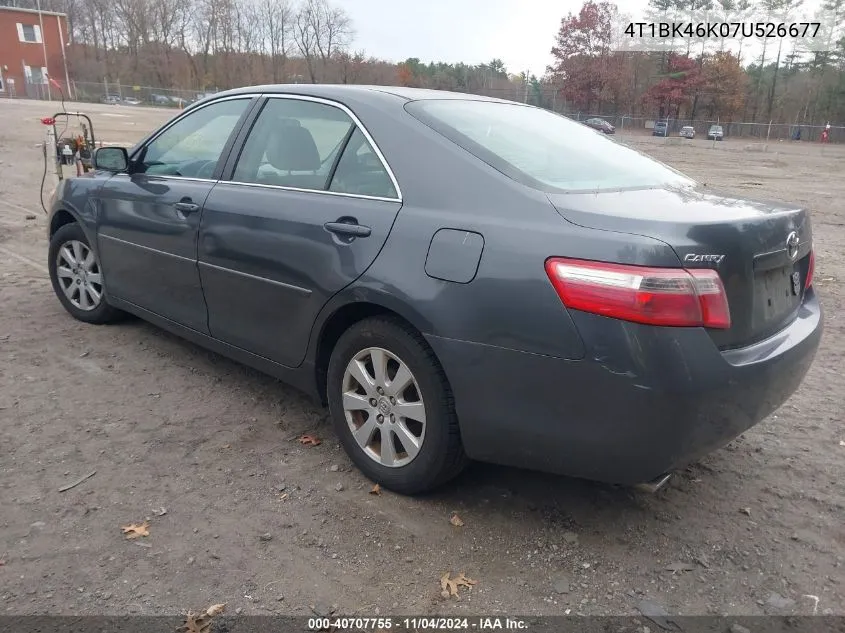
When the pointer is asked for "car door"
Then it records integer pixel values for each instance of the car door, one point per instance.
(149, 217)
(306, 209)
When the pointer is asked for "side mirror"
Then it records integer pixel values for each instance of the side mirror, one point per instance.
(114, 159)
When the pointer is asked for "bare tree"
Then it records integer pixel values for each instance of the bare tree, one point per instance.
(320, 31)
(277, 18)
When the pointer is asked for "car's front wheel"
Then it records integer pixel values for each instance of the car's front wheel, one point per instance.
(77, 277)
(392, 407)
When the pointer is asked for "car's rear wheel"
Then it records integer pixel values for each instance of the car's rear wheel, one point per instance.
(77, 277)
(392, 407)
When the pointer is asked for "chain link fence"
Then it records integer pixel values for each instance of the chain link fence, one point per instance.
(750, 131)
(134, 94)
(106, 92)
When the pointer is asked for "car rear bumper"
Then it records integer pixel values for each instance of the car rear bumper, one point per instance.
(644, 401)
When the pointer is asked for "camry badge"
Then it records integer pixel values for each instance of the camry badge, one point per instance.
(693, 258)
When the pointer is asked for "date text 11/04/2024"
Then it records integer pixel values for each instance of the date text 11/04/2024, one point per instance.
(721, 30)
(423, 623)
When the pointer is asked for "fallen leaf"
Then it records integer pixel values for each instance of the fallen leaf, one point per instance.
(679, 567)
(449, 586)
(309, 440)
(745, 511)
(225, 447)
(456, 520)
(657, 614)
(375, 490)
(195, 623)
(283, 496)
(841, 442)
(215, 609)
(160, 512)
(134, 531)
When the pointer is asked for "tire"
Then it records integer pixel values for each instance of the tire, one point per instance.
(440, 455)
(73, 238)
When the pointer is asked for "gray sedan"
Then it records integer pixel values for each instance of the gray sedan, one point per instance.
(455, 277)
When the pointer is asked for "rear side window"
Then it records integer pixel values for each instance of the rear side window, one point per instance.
(542, 149)
(294, 143)
(361, 172)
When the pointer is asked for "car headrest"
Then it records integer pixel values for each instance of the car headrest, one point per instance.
(292, 148)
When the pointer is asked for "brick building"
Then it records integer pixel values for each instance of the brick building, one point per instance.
(32, 45)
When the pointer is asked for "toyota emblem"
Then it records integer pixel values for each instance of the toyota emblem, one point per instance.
(792, 245)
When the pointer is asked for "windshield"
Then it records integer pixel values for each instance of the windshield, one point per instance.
(541, 149)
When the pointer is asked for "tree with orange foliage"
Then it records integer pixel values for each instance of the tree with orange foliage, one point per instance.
(724, 85)
(674, 92)
(404, 75)
(586, 68)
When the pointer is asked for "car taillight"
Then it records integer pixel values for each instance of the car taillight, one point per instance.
(655, 296)
(811, 268)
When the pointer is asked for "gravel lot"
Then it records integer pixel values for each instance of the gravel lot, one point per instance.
(256, 520)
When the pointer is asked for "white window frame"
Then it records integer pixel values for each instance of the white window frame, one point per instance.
(28, 75)
(36, 30)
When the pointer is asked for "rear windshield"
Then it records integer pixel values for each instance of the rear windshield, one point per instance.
(542, 149)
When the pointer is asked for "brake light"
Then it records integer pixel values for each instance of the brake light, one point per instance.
(655, 296)
(811, 268)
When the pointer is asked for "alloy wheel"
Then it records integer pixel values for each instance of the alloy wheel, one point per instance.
(383, 407)
(79, 275)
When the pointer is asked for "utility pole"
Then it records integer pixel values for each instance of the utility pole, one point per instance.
(44, 48)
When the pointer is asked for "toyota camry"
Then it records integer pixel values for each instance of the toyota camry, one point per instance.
(456, 277)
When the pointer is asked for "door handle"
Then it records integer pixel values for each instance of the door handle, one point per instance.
(347, 229)
(187, 207)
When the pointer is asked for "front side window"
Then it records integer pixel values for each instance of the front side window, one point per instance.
(294, 143)
(192, 146)
(541, 149)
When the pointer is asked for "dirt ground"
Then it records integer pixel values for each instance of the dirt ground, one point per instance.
(255, 520)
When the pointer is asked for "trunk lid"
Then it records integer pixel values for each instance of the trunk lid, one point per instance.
(744, 240)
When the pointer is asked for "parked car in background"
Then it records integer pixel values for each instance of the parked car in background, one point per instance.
(131, 101)
(601, 125)
(110, 99)
(661, 128)
(455, 277)
(715, 133)
(160, 99)
(687, 131)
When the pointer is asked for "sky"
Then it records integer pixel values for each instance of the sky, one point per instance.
(520, 32)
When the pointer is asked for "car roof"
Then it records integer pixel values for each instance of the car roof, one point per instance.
(359, 92)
